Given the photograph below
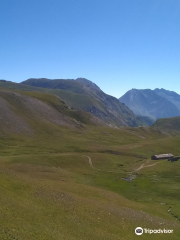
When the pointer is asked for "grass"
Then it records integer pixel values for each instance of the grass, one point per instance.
(49, 191)
(171, 124)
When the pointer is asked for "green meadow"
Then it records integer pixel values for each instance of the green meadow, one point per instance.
(49, 190)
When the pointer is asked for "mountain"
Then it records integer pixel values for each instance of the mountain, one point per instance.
(30, 112)
(158, 103)
(169, 95)
(23, 113)
(88, 83)
(82, 94)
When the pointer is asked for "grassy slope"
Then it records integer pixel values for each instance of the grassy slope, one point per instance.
(49, 191)
(73, 100)
(168, 124)
(62, 107)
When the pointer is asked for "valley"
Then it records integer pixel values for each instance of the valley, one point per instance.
(48, 183)
(89, 120)
(65, 174)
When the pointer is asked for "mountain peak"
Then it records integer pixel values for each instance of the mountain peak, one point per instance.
(165, 93)
(157, 103)
(88, 83)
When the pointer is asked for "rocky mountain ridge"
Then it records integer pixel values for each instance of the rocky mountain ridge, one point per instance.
(158, 103)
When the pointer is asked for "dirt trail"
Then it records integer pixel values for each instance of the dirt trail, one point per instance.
(142, 166)
(91, 165)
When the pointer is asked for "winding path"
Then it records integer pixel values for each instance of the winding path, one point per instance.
(91, 165)
(142, 166)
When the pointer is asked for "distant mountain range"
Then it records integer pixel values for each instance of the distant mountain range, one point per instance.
(82, 95)
(158, 103)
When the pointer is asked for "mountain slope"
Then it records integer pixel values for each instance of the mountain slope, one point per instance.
(169, 95)
(32, 112)
(88, 83)
(150, 103)
(148, 120)
(82, 94)
(168, 124)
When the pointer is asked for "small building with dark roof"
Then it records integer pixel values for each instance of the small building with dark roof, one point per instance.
(162, 156)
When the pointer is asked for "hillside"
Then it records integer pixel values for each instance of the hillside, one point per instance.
(168, 124)
(32, 112)
(82, 94)
(155, 104)
(148, 120)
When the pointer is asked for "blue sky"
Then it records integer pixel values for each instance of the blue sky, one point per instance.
(117, 44)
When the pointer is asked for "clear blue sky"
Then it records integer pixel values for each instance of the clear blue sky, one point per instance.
(118, 44)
